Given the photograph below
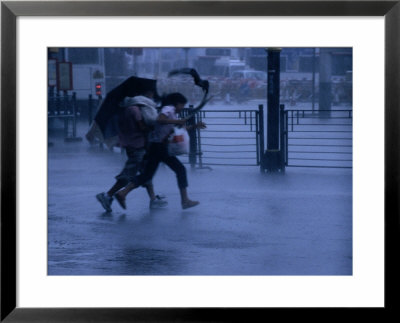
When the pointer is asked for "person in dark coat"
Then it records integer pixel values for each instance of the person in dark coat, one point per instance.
(105, 125)
(123, 124)
(158, 151)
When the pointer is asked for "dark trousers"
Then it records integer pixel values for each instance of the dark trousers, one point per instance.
(133, 165)
(158, 152)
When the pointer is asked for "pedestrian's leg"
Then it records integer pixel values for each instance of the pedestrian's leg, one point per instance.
(156, 201)
(116, 187)
(135, 157)
(150, 191)
(129, 170)
(106, 199)
(180, 171)
(121, 195)
(185, 201)
(149, 185)
(147, 175)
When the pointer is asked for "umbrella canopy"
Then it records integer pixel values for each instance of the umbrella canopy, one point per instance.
(104, 127)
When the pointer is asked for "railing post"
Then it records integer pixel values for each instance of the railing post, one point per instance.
(58, 103)
(282, 139)
(198, 142)
(257, 125)
(193, 140)
(261, 136)
(74, 114)
(90, 109)
(64, 112)
(71, 116)
(287, 138)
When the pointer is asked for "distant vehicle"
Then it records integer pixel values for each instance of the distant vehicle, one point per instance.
(227, 66)
(250, 75)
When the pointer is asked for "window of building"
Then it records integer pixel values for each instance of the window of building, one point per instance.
(83, 55)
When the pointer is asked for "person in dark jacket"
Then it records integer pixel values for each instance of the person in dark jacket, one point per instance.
(132, 133)
(105, 125)
(158, 151)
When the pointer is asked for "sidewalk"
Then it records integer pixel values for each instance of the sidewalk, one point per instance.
(247, 223)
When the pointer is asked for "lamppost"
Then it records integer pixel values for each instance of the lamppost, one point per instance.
(325, 86)
(272, 158)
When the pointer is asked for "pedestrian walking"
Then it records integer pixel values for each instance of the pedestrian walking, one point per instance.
(133, 138)
(104, 128)
(158, 150)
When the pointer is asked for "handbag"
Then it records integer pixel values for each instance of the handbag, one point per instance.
(178, 143)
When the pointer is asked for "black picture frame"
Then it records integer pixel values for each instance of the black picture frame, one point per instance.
(10, 10)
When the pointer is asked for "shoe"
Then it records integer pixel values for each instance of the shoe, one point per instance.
(189, 204)
(120, 200)
(105, 201)
(158, 202)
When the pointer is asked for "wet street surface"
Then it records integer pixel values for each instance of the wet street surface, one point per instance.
(247, 223)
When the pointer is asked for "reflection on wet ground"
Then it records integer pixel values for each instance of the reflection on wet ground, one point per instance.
(299, 223)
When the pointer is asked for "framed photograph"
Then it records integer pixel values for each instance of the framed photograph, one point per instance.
(311, 223)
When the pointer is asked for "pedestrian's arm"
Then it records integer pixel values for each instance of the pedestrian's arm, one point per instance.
(199, 125)
(163, 119)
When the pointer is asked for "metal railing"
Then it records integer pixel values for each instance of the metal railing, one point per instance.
(236, 138)
(232, 138)
(322, 138)
(64, 107)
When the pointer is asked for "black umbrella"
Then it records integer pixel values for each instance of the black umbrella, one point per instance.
(105, 126)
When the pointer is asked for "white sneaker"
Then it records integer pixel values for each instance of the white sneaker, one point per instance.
(105, 201)
(158, 202)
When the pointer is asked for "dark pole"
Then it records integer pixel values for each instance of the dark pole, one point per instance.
(192, 140)
(282, 127)
(74, 114)
(261, 135)
(273, 98)
(90, 109)
(313, 79)
(271, 162)
(325, 73)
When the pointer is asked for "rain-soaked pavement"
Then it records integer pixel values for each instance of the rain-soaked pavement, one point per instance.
(247, 223)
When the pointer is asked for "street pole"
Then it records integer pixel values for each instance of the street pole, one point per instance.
(325, 74)
(313, 79)
(271, 158)
(273, 98)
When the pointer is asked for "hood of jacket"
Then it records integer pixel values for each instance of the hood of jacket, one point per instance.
(138, 100)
